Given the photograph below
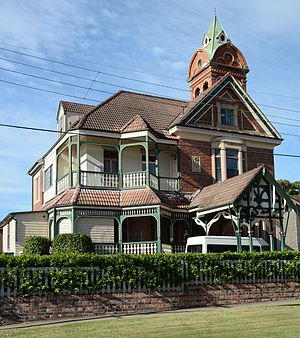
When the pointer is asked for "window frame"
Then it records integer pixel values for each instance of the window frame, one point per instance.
(219, 150)
(50, 170)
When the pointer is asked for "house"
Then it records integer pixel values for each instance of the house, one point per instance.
(141, 173)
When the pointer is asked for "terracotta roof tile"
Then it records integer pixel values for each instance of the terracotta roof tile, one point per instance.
(224, 193)
(74, 107)
(134, 124)
(139, 197)
(95, 197)
(115, 112)
(65, 198)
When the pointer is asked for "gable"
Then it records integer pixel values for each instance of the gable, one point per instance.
(228, 98)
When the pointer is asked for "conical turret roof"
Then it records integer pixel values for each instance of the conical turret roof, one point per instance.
(214, 38)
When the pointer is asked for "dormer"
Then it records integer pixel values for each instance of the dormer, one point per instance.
(69, 113)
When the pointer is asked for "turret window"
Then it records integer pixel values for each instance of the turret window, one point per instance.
(197, 92)
(200, 63)
(205, 86)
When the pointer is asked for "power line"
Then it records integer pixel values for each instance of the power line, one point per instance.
(78, 77)
(98, 90)
(198, 147)
(47, 91)
(96, 63)
(152, 83)
(136, 71)
(93, 70)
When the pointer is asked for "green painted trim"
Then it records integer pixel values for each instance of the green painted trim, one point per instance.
(158, 232)
(289, 201)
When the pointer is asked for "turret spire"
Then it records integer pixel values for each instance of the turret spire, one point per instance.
(215, 37)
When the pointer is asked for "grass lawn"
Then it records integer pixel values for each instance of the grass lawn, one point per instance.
(242, 321)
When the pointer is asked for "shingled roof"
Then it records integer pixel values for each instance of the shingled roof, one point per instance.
(116, 198)
(226, 192)
(114, 113)
(78, 108)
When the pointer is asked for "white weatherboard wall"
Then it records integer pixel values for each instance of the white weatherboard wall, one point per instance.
(292, 239)
(131, 159)
(91, 158)
(64, 226)
(49, 160)
(167, 165)
(101, 230)
(30, 224)
(9, 237)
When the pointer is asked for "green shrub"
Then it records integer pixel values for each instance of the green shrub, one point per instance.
(74, 273)
(72, 243)
(37, 245)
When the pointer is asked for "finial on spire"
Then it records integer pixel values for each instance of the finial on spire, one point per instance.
(215, 11)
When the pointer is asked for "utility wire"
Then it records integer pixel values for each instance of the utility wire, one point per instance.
(97, 90)
(93, 70)
(137, 71)
(99, 72)
(192, 146)
(95, 63)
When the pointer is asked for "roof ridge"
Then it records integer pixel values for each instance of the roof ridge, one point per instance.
(153, 95)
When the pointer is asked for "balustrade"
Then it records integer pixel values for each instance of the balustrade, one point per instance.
(98, 179)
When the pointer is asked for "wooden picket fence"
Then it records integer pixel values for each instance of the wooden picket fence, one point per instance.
(43, 280)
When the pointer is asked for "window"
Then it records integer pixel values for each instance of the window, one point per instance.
(218, 165)
(197, 92)
(232, 159)
(200, 63)
(227, 117)
(235, 163)
(196, 164)
(110, 162)
(36, 189)
(48, 181)
(152, 165)
(205, 86)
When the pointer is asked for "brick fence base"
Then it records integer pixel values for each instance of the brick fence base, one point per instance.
(22, 309)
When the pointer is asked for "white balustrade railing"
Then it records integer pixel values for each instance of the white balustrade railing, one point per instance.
(134, 179)
(62, 184)
(153, 182)
(168, 183)
(98, 179)
(178, 248)
(140, 248)
(74, 178)
(105, 249)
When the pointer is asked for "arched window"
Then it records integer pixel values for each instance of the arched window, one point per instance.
(205, 86)
(197, 92)
(200, 63)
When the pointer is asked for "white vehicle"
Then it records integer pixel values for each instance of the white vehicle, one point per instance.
(204, 244)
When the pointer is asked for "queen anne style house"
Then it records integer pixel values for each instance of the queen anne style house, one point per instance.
(141, 173)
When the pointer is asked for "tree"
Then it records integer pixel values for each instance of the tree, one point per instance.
(292, 188)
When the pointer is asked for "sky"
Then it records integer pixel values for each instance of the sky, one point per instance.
(140, 39)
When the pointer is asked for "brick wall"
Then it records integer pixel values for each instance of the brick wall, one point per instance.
(263, 156)
(191, 181)
(18, 309)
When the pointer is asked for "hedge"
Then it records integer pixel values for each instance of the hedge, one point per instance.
(72, 243)
(153, 270)
(37, 245)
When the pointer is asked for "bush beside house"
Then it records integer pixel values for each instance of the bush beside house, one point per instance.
(72, 243)
(37, 245)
